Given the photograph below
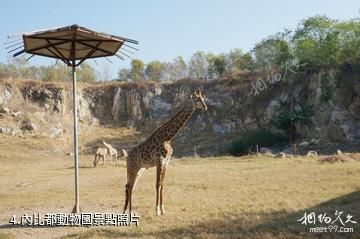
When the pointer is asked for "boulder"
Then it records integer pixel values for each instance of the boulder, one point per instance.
(311, 154)
(4, 110)
(5, 130)
(16, 114)
(10, 131)
(314, 141)
(303, 144)
(29, 126)
(336, 159)
(280, 155)
(55, 131)
(264, 150)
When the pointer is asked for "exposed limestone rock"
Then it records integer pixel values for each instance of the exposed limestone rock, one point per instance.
(51, 97)
(116, 104)
(10, 131)
(265, 150)
(55, 131)
(5, 95)
(29, 126)
(304, 143)
(311, 154)
(4, 110)
(223, 128)
(272, 109)
(337, 133)
(231, 110)
(281, 155)
(159, 107)
(314, 141)
(354, 108)
(16, 114)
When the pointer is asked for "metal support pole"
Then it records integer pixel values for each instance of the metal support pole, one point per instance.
(76, 158)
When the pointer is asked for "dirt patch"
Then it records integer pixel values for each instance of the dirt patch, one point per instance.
(336, 159)
(355, 156)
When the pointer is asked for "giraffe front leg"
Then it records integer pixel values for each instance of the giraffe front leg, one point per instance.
(161, 193)
(158, 175)
(128, 196)
(132, 177)
(166, 162)
(95, 161)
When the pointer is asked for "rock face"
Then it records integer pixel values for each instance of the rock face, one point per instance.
(231, 108)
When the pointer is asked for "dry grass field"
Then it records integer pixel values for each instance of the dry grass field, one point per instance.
(222, 197)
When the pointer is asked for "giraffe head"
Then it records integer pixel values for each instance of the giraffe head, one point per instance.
(198, 100)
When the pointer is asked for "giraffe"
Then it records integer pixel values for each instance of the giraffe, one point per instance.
(156, 152)
(100, 153)
(112, 152)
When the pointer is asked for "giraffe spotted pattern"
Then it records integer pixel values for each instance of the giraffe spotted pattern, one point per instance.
(156, 151)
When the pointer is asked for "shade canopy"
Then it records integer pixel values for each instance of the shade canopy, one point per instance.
(73, 43)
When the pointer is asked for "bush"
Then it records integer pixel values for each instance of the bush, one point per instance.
(287, 119)
(248, 141)
(238, 147)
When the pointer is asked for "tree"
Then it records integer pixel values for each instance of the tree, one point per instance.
(137, 70)
(247, 62)
(86, 73)
(198, 66)
(104, 74)
(349, 35)
(237, 60)
(288, 118)
(234, 59)
(315, 28)
(273, 52)
(3, 71)
(176, 70)
(56, 72)
(317, 41)
(216, 65)
(154, 70)
(124, 74)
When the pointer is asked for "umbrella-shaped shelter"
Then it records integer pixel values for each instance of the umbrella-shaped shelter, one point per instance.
(73, 45)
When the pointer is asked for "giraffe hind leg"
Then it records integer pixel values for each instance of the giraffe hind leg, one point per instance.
(126, 198)
(141, 171)
(160, 174)
(162, 167)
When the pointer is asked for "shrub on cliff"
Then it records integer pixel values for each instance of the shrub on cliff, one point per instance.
(247, 141)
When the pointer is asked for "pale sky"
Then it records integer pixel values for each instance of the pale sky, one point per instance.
(166, 29)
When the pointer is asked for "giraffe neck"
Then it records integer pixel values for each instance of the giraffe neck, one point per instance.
(168, 131)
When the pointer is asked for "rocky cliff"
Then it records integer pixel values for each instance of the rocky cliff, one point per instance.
(235, 105)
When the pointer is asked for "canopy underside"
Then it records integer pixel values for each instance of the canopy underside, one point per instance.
(72, 43)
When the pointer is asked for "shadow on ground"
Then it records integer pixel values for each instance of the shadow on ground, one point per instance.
(268, 225)
(263, 225)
